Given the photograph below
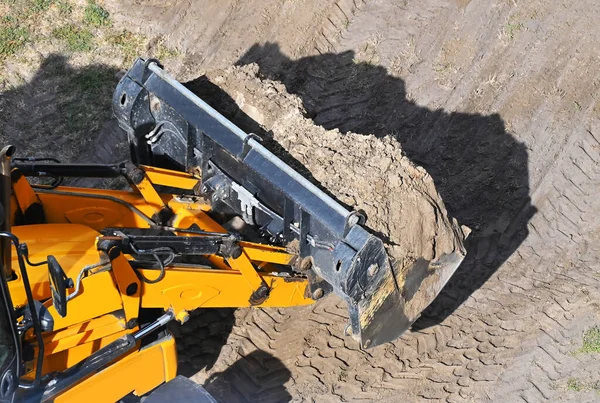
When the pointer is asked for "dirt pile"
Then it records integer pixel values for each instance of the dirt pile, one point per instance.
(364, 172)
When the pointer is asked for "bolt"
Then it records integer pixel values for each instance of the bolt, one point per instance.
(260, 295)
(372, 269)
(318, 293)
(131, 289)
(353, 220)
(306, 264)
(367, 343)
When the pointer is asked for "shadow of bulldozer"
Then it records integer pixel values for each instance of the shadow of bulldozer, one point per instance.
(480, 170)
(256, 377)
(60, 111)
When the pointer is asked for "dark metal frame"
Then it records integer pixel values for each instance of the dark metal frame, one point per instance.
(168, 126)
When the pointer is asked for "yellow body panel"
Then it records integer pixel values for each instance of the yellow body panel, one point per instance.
(73, 246)
(139, 372)
(109, 300)
(80, 333)
(67, 358)
(97, 213)
(194, 288)
(166, 177)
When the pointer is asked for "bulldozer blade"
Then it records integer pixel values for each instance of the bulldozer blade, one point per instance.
(387, 303)
(168, 126)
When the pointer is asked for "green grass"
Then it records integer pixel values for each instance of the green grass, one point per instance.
(511, 28)
(591, 341)
(96, 15)
(65, 7)
(87, 97)
(77, 39)
(164, 52)
(130, 44)
(40, 5)
(133, 46)
(12, 36)
(93, 83)
(574, 385)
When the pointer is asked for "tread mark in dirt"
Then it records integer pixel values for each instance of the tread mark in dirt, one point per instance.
(482, 322)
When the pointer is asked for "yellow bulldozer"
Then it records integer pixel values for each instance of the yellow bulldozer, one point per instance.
(91, 277)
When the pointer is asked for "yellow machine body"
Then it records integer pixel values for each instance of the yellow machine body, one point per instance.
(109, 299)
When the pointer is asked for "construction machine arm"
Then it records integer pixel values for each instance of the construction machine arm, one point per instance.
(170, 127)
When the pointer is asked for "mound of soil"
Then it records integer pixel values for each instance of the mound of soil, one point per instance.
(366, 173)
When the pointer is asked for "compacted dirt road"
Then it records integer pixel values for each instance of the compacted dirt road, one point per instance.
(497, 100)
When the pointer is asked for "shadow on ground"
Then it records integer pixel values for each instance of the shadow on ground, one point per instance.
(200, 340)
(480, 170)
(256, 377)
(59, 111)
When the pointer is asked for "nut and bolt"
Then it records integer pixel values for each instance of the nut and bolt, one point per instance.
(318, 293)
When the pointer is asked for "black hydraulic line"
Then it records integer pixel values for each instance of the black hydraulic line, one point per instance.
(30, 302)
(161, 264)
(134, 209)
(196, 231)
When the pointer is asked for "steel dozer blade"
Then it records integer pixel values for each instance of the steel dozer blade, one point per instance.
(168, 126)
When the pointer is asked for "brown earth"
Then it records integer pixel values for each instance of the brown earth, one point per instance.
(497, 100)
(398, 197)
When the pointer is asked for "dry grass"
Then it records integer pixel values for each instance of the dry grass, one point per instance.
(58, 60)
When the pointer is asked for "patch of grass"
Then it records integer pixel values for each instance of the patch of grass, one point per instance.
(77, 39)
(93, 83)
(65, 7)
(591, 341)
(41, 5)
(130, 44)
(511, 28)
(164, 52)
(96, 15)
(12, 37)
(86, 93)
(574, 384)
(133, 46)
